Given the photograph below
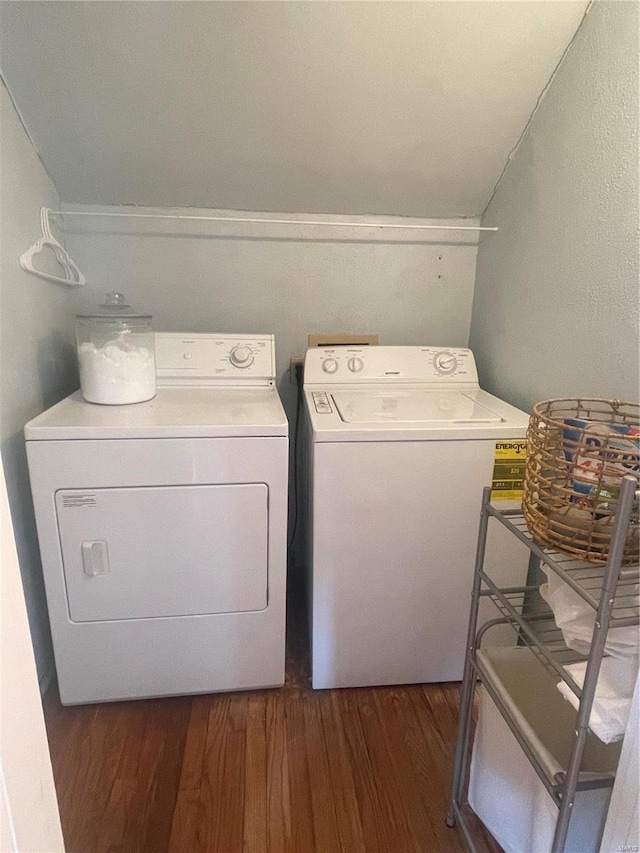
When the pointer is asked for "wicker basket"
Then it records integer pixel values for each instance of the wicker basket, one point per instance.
(577, 452)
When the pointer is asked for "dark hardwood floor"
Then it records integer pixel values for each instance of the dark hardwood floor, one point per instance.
(275, 771)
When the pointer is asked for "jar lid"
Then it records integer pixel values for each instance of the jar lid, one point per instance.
(114, 307)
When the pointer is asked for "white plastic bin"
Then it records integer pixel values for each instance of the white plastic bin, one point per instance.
(504, 789)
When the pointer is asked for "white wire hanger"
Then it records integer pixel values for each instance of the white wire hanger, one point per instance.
(72, 275)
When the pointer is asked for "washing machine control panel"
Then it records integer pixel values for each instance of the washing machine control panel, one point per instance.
(201, 359)
(346, 364)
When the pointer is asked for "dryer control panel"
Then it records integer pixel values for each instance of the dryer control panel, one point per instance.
(202, 359)
(375, 364)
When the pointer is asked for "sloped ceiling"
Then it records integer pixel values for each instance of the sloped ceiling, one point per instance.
(342, 107)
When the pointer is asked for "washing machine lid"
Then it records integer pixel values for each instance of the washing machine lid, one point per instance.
(410, 413)
(415, 406)
(173, 413)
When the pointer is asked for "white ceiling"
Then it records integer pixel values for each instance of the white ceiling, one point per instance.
(342, 107)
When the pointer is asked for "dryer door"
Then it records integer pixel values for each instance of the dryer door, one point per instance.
(136, 553)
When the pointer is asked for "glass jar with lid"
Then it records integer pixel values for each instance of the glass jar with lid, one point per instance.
(116, 354)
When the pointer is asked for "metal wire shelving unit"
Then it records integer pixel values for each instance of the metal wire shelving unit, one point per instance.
(611, 591)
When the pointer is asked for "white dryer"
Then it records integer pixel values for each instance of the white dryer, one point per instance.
(400, 443)
(162, 527)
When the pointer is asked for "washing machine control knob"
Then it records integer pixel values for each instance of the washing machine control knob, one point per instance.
(445, 363)
(241, 356)
(355, 364)
(329, 365)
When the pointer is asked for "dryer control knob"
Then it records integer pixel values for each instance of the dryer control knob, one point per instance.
(329, 365)
(355, 364)
(241, 357)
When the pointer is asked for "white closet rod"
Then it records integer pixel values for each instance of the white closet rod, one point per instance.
(273, 221)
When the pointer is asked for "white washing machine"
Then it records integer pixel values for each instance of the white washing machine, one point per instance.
(162, 527)
(400, 443)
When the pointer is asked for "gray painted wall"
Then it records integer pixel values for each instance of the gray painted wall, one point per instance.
(368, 107)
(36, 352)
(555, 311)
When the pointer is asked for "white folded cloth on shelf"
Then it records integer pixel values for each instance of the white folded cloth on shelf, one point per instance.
(614, 691)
